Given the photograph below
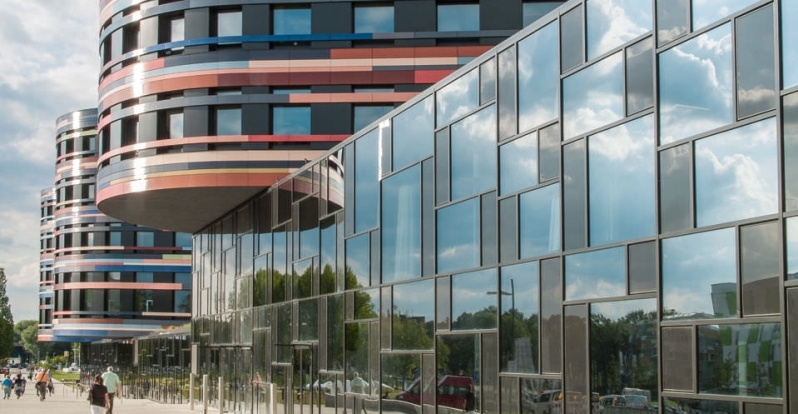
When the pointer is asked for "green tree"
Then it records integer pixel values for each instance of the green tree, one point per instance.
(28, 334)
(6, 320)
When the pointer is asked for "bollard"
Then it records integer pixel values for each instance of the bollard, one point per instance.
(205, 393)
(221, 395)
(191, 391)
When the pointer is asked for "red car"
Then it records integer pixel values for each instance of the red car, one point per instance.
(453, 391)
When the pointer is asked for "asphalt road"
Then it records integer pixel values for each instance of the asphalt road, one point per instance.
(67, 401)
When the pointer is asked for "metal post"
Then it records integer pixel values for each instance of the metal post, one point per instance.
(191, 391)
(221, 395)
(205, 393)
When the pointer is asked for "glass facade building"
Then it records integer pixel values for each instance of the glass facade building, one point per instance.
(102, 278)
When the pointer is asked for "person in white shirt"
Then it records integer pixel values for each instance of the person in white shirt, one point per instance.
(112, 382)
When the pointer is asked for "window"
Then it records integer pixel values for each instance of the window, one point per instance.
(364, 115)
(290, 21)
(228, 23)
(177, 29)
(291, 120)
(174, 123)
(373, 19)
(145, 239)
(228, 121)
(538, 9)
(458, 17)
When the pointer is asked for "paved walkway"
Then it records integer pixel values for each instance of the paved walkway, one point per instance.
(67, 401)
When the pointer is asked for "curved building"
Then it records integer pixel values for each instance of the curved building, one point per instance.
(601, 209)
(104, 278)
(201, 104)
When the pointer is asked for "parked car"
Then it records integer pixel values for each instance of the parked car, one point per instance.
(453, 391)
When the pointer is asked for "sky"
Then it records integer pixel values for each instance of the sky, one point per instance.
(48, 67)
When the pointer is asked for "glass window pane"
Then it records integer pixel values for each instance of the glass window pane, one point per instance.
(611, 23)
(402, 372)
(291, 21)
(412, 133)
(549, 152)
(789, 43)
(509, 395)
(756, 73)
(703, 406)
(473, 149)
(539, 221)
(736, 174)
(458, 236)
(442, 166)
(790, 131)
(308, 320)
(443, 310)
(413, 315)
(461, 367)
(791, 309)
(538, 78)
(373, 19)
(792, 248)
(537, 394)
(673, 19)
(328, 254)
(508, 113)
(699, 276)
(520, 306)
(677, 358)
(177, 31)
(487, 81)
(708, 11)
(754, 408)
(367, 304)
(458, 17)
(574, 195)
(623, 339)
(642, 267)
(575, 372)
(335, 332)
(367, 187)
(595, 274)
(365, 115)
(175, 124)
(695, 85)
(622, 183)
(759, 268)
(639, 76)
(740, 359)
(228, 121)
(474, 300)
(572, 39)
(518, 164)
(291, 120)
(228, 23)
(675, 194)
(593, 97)
(303, 279)
(401, 225)
(532, 11)
(357, 262)
(457, 98)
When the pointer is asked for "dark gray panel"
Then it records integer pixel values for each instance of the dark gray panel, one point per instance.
(677, 359)
(255, 119)
(331, 18)
(489, 227)
(500, 14)
(331, 118)
(330, 88)
(148, 29)
(195, 121)
(508, 229)
(197, 23)
(148, 127)
(415, 42)
(256, 20)
(415, 16)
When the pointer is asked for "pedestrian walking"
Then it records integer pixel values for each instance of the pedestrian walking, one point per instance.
(113, 384)
(7, 387)
(98, 396)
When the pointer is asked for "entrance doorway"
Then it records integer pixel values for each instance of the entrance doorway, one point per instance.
(297, 383)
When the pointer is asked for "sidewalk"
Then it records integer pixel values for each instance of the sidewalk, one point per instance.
(67, 401)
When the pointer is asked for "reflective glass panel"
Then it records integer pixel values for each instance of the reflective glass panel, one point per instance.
(457, 98)
(413, 315)
(574, 195)
(303, 278)
(509, 395)
(756, 72)
(623, 339)
(533, 11)
(575, 370)
(639, 76)
(443, 296)
(708, 11)
(291, 120)
(538, 78)
(367, 304)
(367, 186)
(174, 120)
(703, 406)
(675, 193)
(291, 21)
(357, 261)
(328, 254)
(673, 20)
(335, 332)
(699, 274)
(474, 300)
(549, 152)
(596, 274)
(177, 29)
(519, 324)
(458, 17)
(622, 184)
(308, 320)
(401, 372)
(413, 133)
(508, 112)
(518, 164)
(759, 268)
(228, 121)
(229, 23)
(611, 23)
(458, 365)
(539, 221)
(401, 225)
(487, 81)
(550, 316)
(789, 43)
(790, 131)
(365, 115)
(572, 38)
(695, 85)
(740, 359)
(593, 97)
(642, 267)
(473, 149)
(538, 394)
(373, 19)
(736, 174)
(458, 236)
(792, 248)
